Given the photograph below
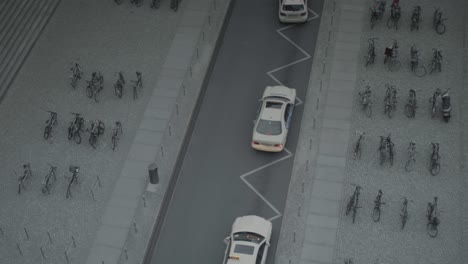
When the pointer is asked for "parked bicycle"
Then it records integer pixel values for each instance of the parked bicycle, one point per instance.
(73, 179)
(415, 18)
(377, 11)
(411, 156)
(27, 174)
(137, 84)
(433, 220)
(395, 14)
(49, 179)
(118, 2)
(418, 69)
(390, 100)
(377, 203)
(348, 261)
(436, 62)
(366, 100)
(116, 132)
(411, 105)
(434, 166)
(438, 22)
(386, 149)
(96, 129)
(404, 213)
(433, 102)
(76, 76)
(119, 84)
(353, 203)
(357, 146)
(95, 86)
(50, 123)
(76, 126)
(155, 4)
(370, 51)
(391, 57)
(138, 3)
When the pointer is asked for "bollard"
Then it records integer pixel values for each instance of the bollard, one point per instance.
(170, 130)
(303, 185)
(214, 4)
(317, 105)
(299, 211)
(294, 236)
(323, 70)
(153, 175)
(334, 5)
(162, 151)
(331, 22)
(134, 226)
(307, 165)
(320, 86)
(313, 126)
(310, 144)
(26, 232)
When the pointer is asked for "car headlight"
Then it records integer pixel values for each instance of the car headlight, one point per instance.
(282, 14)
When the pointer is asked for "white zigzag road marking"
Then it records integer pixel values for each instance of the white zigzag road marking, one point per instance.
(289, 154)
(243, 178)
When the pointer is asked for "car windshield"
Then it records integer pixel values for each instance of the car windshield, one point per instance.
(243, 249)
(293, 7)
(248, 236)
(269, 127)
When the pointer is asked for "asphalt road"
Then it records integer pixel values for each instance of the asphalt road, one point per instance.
(209, 193)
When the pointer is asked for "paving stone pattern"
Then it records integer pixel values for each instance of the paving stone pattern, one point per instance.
(366, 241)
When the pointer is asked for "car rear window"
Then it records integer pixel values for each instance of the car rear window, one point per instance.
(243, 249)
(293, 7)
(274, 105)
(269, 127)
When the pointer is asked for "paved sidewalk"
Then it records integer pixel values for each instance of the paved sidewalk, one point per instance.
(315, 229)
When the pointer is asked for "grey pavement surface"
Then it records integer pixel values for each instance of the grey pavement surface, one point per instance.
(75, 32)
(323, 172)
(210, 190)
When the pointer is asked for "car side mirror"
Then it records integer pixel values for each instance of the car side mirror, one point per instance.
(227, 240)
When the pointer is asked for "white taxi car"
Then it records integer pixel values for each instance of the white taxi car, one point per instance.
(274, 118)
(249, 241)
(293, 11)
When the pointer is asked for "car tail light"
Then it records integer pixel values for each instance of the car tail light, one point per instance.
(303, 14)
(255, 143)
(282, 14)
(278, 145)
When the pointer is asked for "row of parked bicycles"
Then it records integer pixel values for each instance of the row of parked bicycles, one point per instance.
(391, 58)
(96, 129)
(155, 4)
(387, 153)
(432, 215)
(49, 179)
(96, 84)
(438, 102)
(378, 11)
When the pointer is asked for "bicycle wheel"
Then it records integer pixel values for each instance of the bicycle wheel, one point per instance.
(409, 111)
(118, 90)
(382, 158)
(409, 166)
(432, 230)
(114, 142)
(369, 110)
(390, 22)
(390, 111)
(376, 214)
(440, 29)
(77, 137)
(97, 96)
(420, 71)
(435, 168)
(70, 132)
(394, 65)
(89, 91)
(92, 141)
(73, 81)
(47, 132)
(404, 217)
